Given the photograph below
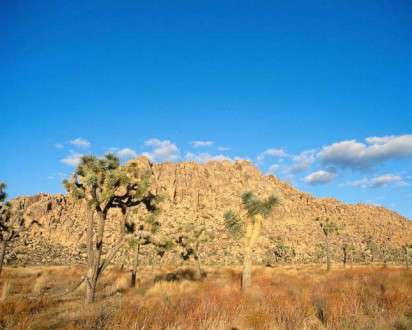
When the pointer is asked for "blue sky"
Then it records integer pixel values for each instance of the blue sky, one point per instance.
(318, 93)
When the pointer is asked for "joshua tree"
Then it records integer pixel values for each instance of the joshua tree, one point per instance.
(347, 251)
(406, 250)
(371, 248)
(11, 222)
(249, 226)
(146, 233)
(328, 228)
(102, 184)
(278, 251)
(189, 239)
(385, 251)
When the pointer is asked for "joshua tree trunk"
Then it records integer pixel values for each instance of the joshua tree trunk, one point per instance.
(2, 253)
(247, 269)
(94, 258)
(385, 260)
(198, 267)
(252, 234)
(327, 255)
(345, 256)
(135, 265)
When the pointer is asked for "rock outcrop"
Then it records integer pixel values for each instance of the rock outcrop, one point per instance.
(201, 193)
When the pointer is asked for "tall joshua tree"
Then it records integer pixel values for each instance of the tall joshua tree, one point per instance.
(102, 184)
(249, 226)
(11, 222)
(328, 229)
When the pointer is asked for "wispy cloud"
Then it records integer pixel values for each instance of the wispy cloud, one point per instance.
(73, 159)
(199, 144)
(59, 145)
(302, 161)
(80, 143)
(379, 181)
(126, 153)
(319, 177)
(273, 169)
(273, 152)
(205, 157)
(162, 150)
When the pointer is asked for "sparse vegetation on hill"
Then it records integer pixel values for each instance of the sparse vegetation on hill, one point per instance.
(201, 193)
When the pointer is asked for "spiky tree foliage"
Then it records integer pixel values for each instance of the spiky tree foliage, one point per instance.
(102, 184)
(328, 228)
(189, 238)
(249, 226)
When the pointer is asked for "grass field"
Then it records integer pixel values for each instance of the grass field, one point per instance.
(285, 297)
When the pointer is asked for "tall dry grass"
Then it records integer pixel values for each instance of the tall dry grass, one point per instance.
(280, 298)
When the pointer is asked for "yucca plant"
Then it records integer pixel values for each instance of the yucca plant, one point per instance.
(102, 184)
(329, 228)
(248, 227)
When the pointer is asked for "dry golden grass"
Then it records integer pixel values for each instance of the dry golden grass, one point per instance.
(289, 297)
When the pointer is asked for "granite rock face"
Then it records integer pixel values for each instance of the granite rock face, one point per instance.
(201, 193)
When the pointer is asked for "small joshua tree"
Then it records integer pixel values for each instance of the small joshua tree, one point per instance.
(278, 251)
(385, 251)
(12, 222)
(102, 184)
(146, 233)
(406, 249)
(347, 250)
(189, 238)
(249, 226)
(328, 228)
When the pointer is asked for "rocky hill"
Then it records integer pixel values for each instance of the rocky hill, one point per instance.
(201, 193)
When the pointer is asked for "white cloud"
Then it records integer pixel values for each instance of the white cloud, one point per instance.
(199, 144)
(220, 148)
(163, 150)
(59, 145)
(126, 153)
(80, 143)
(358, 155)
(319, 177)
(72, 159)
(302, 161)
(379, 181)
(205, 157)
(273, 152)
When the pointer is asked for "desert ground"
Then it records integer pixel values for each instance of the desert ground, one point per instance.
(282, 297)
